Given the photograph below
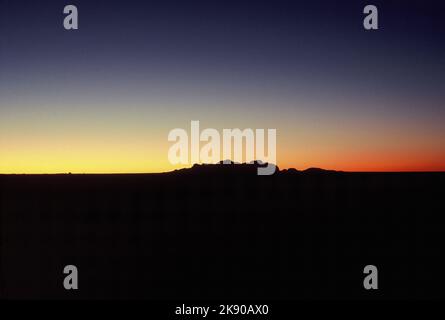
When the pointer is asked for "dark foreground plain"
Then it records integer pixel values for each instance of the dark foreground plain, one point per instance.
(223, 233)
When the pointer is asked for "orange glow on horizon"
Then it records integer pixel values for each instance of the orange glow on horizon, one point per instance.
(136, 150)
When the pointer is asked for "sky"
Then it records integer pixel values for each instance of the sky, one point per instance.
(103, 98)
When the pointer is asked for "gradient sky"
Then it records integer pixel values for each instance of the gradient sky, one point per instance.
(103, 98)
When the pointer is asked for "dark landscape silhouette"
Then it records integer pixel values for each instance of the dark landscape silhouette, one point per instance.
(223, 232)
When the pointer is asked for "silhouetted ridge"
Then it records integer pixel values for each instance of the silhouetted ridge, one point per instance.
(319, 171)
(227, 167)
(230, 167)
(290, 171)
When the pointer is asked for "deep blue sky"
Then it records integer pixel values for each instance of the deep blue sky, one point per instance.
(136, 69)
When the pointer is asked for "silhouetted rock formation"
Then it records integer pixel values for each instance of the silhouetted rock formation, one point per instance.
(319, 171)
(290, 171)
(227, 167)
